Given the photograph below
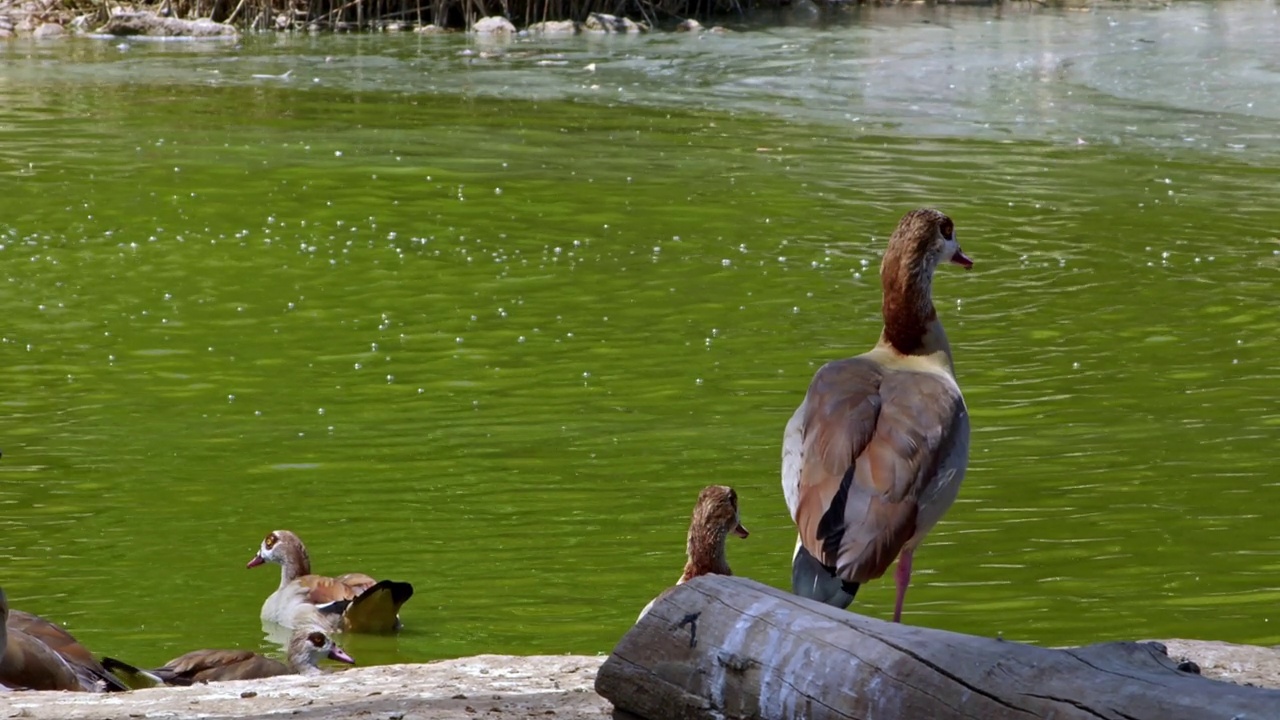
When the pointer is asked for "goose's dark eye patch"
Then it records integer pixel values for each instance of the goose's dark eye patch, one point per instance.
(948, 229)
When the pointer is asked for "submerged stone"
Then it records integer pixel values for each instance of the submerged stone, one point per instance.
(605, 23)
(554, 27)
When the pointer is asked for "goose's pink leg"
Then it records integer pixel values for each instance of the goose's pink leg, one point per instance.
(902, 578)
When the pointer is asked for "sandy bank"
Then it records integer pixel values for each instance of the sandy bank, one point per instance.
(488, 686)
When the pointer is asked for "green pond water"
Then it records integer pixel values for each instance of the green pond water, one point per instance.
(486, 317)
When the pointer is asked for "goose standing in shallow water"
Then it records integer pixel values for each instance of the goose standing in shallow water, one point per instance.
(353, 602)
(307, 647)
(714, 516)
(875, 454)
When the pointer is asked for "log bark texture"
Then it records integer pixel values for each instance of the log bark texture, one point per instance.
(728, 648)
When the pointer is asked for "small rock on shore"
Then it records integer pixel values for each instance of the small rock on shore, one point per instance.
(152, 25)
(493, 25)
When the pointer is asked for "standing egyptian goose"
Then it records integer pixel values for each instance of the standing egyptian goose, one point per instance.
(35, 654)
(875, 454)
(714, 516)
(353, 602)
(307, 647)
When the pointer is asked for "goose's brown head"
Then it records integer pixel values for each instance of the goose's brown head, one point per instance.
(309, 646)
(923, 240)
(277, 547)
(717, 510)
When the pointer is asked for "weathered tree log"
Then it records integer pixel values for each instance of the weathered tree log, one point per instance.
(728, 648)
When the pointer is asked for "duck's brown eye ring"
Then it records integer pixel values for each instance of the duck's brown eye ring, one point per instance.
(948, 229)
(317, 639)
(270, 542)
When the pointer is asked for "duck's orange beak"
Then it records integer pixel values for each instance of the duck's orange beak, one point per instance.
(740, 531)
(255, 562)
(962, 260)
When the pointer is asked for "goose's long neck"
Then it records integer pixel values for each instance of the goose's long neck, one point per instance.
(295, 564)
(911, 325)
(301, 660)
(705, 550)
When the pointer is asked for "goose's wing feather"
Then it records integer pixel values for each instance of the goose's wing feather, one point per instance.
(872, 440)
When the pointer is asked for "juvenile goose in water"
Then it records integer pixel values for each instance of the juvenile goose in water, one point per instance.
(307, 647)
(39, 655)
(714, 517)
(875, 454)
(353, 602)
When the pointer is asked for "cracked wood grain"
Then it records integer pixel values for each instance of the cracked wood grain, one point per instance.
(764, 654)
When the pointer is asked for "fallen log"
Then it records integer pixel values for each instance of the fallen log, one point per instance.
(728, 648)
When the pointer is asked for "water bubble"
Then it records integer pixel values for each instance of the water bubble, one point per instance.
(231, 398)
(726, 262)
(357, 366)
(258, 413)
(698, 381)
(520, 339)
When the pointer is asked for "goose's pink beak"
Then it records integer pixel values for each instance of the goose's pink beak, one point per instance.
(255, 562)
(961, 259)
(740, 531)
(338, 654)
